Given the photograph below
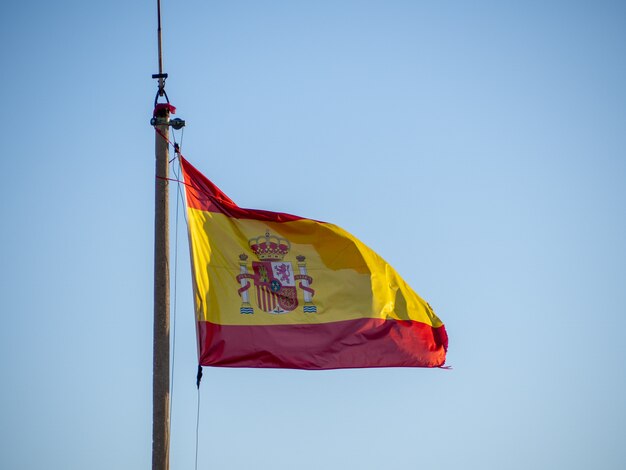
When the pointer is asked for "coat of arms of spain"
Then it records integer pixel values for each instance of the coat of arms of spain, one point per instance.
(274, 278)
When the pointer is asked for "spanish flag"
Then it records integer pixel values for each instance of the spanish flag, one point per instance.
(278, 290)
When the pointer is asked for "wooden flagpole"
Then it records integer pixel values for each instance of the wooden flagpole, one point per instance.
(161, 340)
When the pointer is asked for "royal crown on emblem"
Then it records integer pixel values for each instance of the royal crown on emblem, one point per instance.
(269, 247)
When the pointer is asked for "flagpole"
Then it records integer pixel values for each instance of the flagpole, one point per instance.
(161, 339)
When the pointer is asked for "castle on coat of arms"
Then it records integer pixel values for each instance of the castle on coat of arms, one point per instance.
(274, 278)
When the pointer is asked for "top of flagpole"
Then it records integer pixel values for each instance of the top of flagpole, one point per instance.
(159, 37)
(160, 76)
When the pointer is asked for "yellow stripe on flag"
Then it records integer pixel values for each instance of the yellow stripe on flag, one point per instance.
(350, 281)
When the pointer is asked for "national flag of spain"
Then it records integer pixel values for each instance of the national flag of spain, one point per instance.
(278, 290)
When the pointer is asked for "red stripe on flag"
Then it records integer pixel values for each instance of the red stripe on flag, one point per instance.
(202, 194)
(366, 342)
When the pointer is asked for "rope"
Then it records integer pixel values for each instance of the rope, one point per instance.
(197, 427)
(175, 298)
(177, 170)
(175, 304)
(158, 131)
(176, 181)
(179, 200)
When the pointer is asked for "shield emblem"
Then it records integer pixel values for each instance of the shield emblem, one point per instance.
(275, 286)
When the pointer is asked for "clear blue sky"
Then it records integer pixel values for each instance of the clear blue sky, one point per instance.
(479, 147)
